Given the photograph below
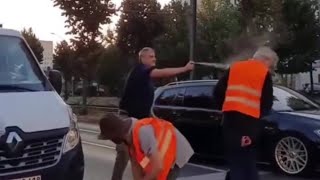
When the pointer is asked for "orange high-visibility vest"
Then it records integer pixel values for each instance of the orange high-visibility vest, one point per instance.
(245, 84)
(166, 142)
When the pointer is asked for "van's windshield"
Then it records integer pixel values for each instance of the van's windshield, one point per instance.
(18, 69)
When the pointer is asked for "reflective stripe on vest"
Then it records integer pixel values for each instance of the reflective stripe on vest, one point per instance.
(163, 149)
(166, 144)
(244, 88)
(243, 101)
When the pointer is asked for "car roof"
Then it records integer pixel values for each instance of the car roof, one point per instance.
(9, 32)
(178, 84)
(192, 83)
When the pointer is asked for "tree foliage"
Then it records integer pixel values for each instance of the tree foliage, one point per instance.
(259, 15)
(34, 43)
(173, 45)
(140, 23)
(219, 21)
(63, 60)
(84, 18)
(111, 69)
(289, 26)
(302, 47)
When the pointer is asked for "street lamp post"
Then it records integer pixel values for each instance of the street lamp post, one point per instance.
(193, 30)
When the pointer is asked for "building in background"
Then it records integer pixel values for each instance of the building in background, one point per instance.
(47, 54)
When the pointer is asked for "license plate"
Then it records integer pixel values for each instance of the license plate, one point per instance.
(29, 178)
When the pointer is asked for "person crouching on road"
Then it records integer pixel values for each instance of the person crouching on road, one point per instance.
(156, 148)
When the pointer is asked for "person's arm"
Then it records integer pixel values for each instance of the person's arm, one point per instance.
(136, 171)
(149, 147)
(169, 72)
(219, 91)
(267, 96)
(156, 161)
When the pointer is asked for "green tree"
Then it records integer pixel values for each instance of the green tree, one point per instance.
(63, 59)
(259, 15)
(173, 45)
(111, 69)
(34, 43)
(219, 21)
(140, 23)
(85, 19)
(302, 46)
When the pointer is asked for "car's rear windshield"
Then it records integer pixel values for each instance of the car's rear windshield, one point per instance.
(18, 68)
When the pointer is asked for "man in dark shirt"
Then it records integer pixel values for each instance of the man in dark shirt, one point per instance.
(138, 96)
(237, 125)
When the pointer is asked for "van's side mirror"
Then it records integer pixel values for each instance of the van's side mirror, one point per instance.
(55, 79)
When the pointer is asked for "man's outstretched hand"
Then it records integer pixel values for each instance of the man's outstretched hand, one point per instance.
(189, 66)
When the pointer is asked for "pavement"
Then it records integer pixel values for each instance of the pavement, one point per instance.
(100, 156)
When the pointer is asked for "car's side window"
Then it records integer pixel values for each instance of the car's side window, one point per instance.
(199, 97)
(167, 97)
(178, 100)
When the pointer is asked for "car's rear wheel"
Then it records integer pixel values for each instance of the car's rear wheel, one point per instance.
(292, 155)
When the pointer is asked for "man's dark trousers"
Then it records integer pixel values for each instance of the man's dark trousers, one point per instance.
(241, 160)
(242, 165)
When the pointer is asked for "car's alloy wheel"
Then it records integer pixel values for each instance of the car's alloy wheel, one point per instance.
(291, 155)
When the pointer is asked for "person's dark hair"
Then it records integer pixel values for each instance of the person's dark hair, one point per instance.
(114, 126)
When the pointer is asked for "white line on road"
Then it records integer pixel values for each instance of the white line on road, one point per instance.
(206, 167)
(99, 145)
(89, 131)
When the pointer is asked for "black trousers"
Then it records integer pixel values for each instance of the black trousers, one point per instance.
(242, 165)
(241, 160)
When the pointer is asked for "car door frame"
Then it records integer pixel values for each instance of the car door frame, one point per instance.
(214, 115)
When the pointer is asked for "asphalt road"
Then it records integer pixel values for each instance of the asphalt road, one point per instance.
(100, 156)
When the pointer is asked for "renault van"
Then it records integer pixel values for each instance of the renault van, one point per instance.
(39, 137)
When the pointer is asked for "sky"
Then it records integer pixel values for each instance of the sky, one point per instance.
(41, 16)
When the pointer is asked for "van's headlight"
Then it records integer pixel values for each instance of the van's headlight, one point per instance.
(73, 136)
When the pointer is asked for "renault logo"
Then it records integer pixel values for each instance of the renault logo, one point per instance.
(14, 141)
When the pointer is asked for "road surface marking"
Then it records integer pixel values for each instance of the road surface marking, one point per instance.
(89, 131)
(99, 145)
(206, 167)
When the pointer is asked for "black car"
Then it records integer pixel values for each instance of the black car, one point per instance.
(291, 133)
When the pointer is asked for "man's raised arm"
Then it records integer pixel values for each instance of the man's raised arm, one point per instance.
(169, 72)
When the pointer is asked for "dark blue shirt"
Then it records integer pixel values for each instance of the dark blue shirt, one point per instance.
(138, 92)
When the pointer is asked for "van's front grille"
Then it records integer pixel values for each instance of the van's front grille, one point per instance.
(36, 154)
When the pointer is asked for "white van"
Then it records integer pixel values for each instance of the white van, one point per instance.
(39, 137)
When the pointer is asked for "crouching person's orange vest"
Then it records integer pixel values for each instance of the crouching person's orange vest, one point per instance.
(166, 142)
